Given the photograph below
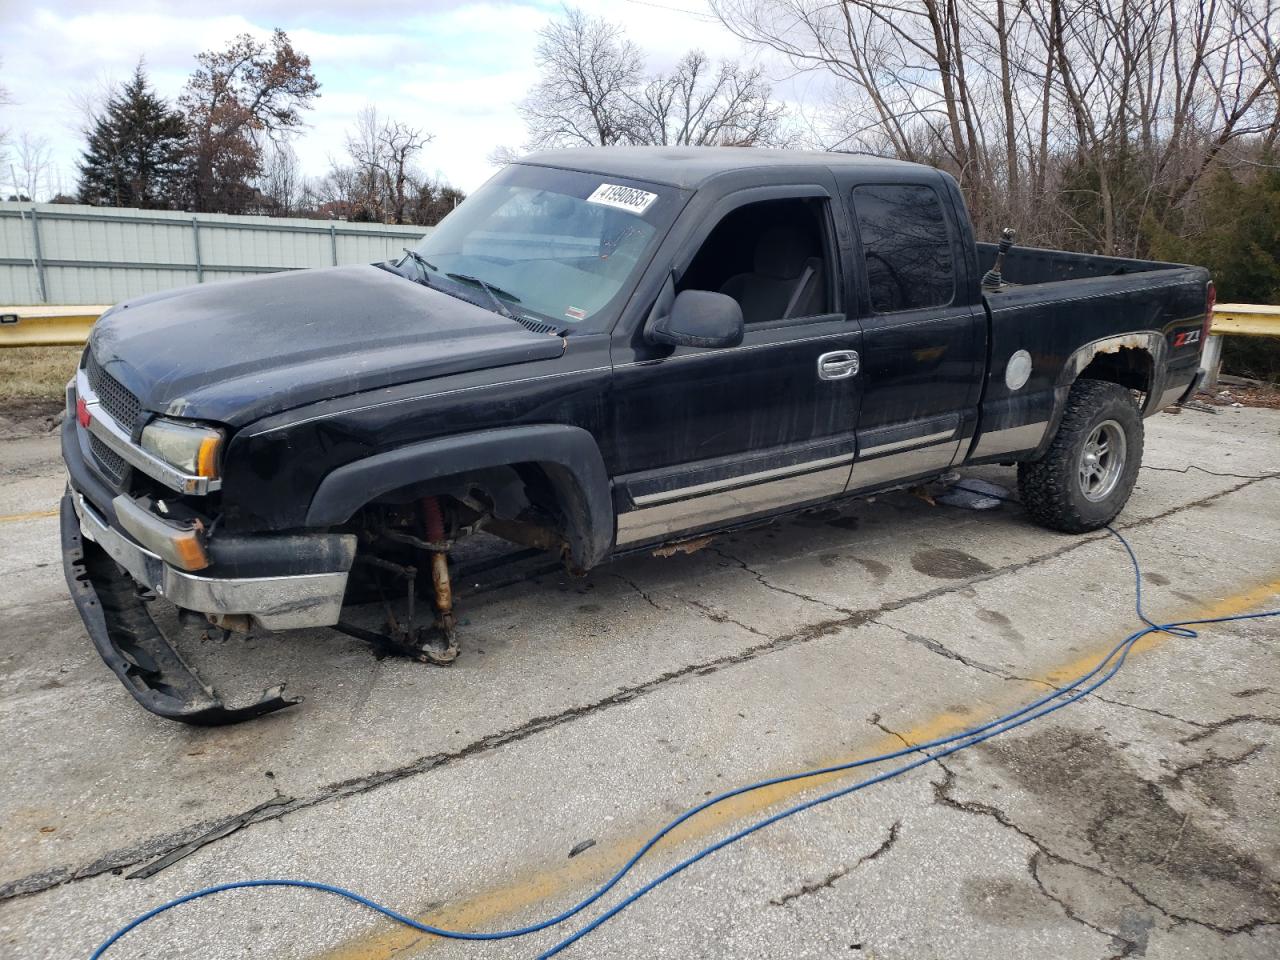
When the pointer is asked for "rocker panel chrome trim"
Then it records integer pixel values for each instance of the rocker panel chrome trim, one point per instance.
(666, 496)
(670, 518)
(908, 442)
(899, 466)
(1011, 439)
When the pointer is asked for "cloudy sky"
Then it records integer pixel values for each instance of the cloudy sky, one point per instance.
(454, 68)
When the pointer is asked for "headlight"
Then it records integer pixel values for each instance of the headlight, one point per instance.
(191, 447)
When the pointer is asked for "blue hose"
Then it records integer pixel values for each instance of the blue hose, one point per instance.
(928, 752)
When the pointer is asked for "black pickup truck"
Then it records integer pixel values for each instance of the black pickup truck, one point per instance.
(600, 351)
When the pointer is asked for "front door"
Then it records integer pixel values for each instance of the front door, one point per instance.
(718, 435)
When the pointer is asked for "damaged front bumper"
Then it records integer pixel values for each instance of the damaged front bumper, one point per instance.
(276, 603)
(109, 573)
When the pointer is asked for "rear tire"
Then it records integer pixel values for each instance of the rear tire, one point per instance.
(1085, 477)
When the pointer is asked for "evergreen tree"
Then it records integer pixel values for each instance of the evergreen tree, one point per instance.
(136, 155)
(1233, 228)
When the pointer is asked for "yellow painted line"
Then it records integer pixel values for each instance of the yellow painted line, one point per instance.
(34, 515)
(46, 326)
(1250, 319)
(484, 911)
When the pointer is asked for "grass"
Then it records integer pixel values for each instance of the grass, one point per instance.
(36, 373)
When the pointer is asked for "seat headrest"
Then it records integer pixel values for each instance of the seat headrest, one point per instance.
(781, 252)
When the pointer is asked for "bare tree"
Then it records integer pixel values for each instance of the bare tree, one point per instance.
(282, 182)
(502, 155)
(6, 99)
(1088, 122)
(334, 194)
(902, 66)
(401, 143)
(382, 154)
(700, 105)
(589, 71)
(594, 91)
(32, 167)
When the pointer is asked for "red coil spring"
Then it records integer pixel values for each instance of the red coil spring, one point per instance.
(434, 518)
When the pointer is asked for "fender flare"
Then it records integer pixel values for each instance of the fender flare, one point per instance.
(1151, 342)
(569, 454)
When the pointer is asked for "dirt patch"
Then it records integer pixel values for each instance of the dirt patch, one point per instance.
(29, 417)
(948, 564)
(1243, 396)
(1163, 854)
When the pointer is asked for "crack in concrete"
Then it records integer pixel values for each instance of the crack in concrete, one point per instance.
(764, 581)
(636, 587)
(1213, 473)
(1122, 943)
(153, 847)
(719, 616)
(1209, 729)
(944, 651)
(943, 797)
(830, 879)
(1151, 710)
(875, 721)
(1212, 761)
(1251, 692)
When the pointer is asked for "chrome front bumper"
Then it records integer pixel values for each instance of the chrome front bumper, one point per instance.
(276, 603)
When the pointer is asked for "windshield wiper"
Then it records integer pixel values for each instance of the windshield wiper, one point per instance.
(420, 259)
(491, 290)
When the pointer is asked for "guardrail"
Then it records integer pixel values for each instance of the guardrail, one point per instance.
(1236, 319)
(46, 326)
(42, 326)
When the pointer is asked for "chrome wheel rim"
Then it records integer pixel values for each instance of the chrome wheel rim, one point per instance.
(1102, 460)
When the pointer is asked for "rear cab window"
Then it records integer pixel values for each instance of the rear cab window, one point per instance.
(906, 246)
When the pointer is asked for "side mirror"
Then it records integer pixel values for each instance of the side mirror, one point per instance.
(698, 318)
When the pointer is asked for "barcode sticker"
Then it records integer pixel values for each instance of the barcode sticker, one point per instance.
(624, 198)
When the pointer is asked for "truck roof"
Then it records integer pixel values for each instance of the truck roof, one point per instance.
(690, 167)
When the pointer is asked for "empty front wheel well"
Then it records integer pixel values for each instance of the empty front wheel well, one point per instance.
(517, 491)
(555, 466)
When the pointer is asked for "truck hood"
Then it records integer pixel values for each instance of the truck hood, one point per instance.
(235, 351)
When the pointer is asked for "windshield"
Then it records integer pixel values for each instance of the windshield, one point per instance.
(558, 245)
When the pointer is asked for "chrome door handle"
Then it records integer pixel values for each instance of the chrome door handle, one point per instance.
(838, 365)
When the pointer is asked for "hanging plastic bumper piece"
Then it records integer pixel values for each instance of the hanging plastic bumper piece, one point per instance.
(115, 614)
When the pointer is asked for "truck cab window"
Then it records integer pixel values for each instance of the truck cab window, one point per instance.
(905, 245)
(772, 257)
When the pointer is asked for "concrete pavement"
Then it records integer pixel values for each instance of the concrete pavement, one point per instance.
(1142, 822)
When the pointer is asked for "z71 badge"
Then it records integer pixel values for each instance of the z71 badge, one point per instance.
(1186, 337)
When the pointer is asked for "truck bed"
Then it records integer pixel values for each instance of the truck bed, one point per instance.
(1053, 307)
(1031, 265)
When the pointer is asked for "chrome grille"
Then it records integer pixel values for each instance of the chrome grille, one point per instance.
(121, 405)
(114, 467)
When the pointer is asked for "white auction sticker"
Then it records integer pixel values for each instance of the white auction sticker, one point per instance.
(624, 198)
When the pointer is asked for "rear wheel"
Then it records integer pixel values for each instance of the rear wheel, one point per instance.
(1085, 477)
